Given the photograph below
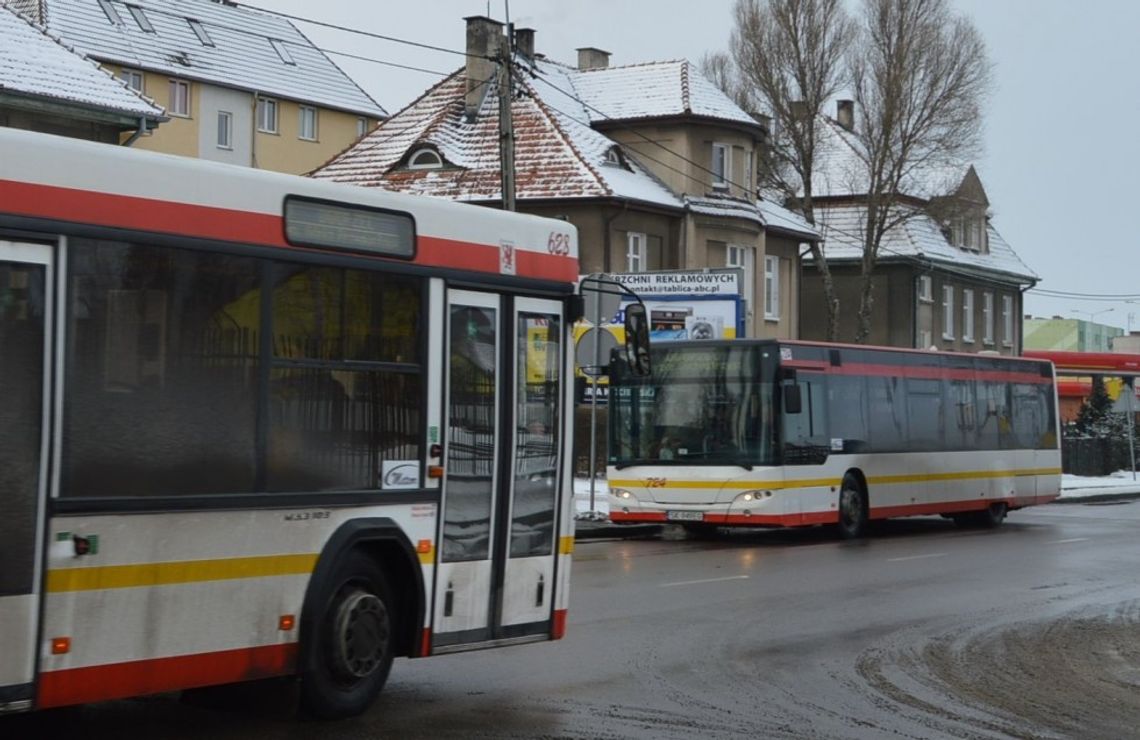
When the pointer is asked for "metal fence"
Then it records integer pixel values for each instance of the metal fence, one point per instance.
(1094, 456)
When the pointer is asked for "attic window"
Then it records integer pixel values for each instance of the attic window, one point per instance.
(425, 159)
(110, 12)
(200, 32)
(616, 158)
(140, 18)
(279, 47)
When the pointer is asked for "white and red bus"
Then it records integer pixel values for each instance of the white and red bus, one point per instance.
(786, 434)
(256, 425)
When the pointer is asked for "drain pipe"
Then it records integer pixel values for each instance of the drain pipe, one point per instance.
(142, 129)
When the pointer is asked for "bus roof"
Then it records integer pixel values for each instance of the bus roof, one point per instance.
(61, 179)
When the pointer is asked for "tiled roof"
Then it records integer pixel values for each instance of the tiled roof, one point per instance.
(33, 64)
(919, 237)
(242, 55)
(654, 90)
(557, 155)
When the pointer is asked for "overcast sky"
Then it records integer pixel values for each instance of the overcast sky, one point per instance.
(1062, 144)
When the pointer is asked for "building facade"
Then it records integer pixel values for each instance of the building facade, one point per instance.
(944, 278)
(47, 87)
(652, 164)
(239, 86)
(1073, 335)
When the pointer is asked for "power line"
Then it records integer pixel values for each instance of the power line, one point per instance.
(369, 34)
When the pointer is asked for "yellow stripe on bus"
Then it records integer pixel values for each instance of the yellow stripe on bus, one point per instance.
(774, 485)
(187, 571)
(565, 545)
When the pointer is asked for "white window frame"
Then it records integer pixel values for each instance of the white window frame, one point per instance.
(925, 340)
(265, 105)
(744, 259)
(425, 159)
(726, 169)
(361, 126)
(225, 130)
(1007, 320)
(771, 287)
(967, 314)
(174, 108)
(133, 76)
(988, 318)
(925, 289)
(301, 123)
(947, 311)
(636, 246)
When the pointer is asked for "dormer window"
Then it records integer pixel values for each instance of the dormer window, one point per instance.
(615, 158)
(969, 232)
(425, 159)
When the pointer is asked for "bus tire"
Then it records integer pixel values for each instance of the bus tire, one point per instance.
(347, 660)
(992, 516)
(853, 509)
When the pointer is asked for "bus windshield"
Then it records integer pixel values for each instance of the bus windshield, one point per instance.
(702, 404)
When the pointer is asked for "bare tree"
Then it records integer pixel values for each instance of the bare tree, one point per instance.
(919, 74)
(788, 58)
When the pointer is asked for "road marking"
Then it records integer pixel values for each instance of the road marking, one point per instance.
(1065, 542)
(705, 580)
(917, 557)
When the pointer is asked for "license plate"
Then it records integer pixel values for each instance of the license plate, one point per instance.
(685, 516)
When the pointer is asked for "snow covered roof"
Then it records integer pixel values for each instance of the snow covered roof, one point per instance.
(557, 153)
(247, 49)
(36, 65)
(653, 90)
(724, 206)
(781, 219)
(918, 237)
(840, 168)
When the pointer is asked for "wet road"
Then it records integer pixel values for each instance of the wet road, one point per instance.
(923, 630)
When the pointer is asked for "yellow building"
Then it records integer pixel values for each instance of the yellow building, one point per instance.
(239, 85)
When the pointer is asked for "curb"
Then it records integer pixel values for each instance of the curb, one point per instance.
(1096, 497)
(584, 529)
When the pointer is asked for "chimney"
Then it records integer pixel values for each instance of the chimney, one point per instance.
(484, 36)
(845, 114)
(591, 58)
(524, 42)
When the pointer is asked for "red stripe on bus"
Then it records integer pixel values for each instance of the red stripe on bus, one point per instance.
(224, 224)
(158, 675)
(146, 214)
(831, 517)
(558, 627)
(929, 373)
(425, 643)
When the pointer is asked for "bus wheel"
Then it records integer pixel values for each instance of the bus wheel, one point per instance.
(348, 654)
(993, 516)
(852, 509)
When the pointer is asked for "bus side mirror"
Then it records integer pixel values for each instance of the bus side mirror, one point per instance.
(793, 402)
(637, 339)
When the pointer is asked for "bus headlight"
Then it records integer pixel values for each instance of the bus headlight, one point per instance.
(750, 496)
(621, 493)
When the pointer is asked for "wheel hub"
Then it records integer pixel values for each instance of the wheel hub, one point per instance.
(360, 634)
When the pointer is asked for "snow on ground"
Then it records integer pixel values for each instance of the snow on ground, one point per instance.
(1120, 482)
(1072, 487)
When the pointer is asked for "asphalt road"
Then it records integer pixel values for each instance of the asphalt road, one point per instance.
(920, 631)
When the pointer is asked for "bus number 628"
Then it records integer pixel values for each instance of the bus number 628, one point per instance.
(558, 244)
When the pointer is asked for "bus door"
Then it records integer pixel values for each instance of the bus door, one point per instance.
(25, 361)
(504, 427)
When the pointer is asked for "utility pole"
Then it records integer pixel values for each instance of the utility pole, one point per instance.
(506, 126)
